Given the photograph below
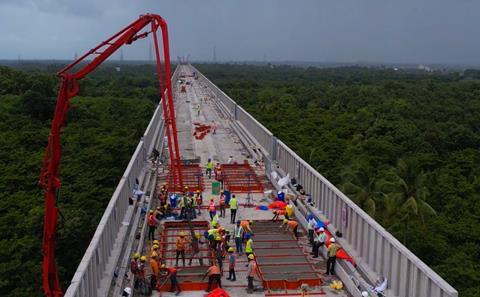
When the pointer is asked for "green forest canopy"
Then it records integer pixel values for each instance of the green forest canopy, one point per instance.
(103, 128)
(382, 136)
(404, 145)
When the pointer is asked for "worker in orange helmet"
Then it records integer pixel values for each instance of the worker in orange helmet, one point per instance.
(292, 225)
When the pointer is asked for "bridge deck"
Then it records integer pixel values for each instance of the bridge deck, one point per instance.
(220, 147)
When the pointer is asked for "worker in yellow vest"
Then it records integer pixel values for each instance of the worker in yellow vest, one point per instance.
(209, 168)
(233, 209)
(248, 245)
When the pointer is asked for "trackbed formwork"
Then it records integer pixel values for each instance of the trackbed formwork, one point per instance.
(281, 260)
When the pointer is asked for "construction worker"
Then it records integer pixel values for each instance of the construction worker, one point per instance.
(310, 228)
(152, 225)
(332, 256)
(215, 221)
(318, 241)
(279, 212)
(231, 265)
(247, 226)
(209, 168)
(238, 235)
(233, 209)
(180, 246)
(155, 271)
(141, 272)
(219, 252)
(290, 224)
(154, 250)
(134, 264)
(192, 204)
(213, 126)
(183, 205)
(223, 205)
(196, 242)
(248, 245)
(211, 208)
(199, 200)
(172, 274)
(213, 274)
(252, 272)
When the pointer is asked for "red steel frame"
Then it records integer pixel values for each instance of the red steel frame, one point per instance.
(235, 178)
(69, 88)
(192, 177)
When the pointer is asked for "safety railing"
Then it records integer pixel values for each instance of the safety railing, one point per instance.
(90, 271)
(374, 249)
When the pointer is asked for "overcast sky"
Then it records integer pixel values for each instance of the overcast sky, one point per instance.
(418, 31)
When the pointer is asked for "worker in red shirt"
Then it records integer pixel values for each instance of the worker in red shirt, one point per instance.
(211, 208)
(292, 225)
(213, 274)
(152, 225)
(172, 274)
(222, 204)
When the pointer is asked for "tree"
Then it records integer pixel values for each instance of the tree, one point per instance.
(408, 194)
(360, 185)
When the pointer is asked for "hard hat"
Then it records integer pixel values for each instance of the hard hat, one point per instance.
(332, 239)
(251, 257)
(274, 211)
(136, 255)
(218, 238)
(151, 210)
(247, 236)
(163, 266)
(127, 291)
(238, 222)
(158, 208)
(154, 255)
(143, 258)
(321, 229)
(279, 192)
(155, 246)
(198, 236)
(231, 249)
(250, 222)
(364, 294)
(285, 221)
(181, 234)
(155, 242)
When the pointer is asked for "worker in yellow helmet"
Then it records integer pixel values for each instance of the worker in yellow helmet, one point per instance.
(292, 225)
(134, 263)
(251, 273)
(180, 245)
(231, 265)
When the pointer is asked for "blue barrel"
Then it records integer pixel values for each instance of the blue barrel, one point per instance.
(173, 200)
(227, 197)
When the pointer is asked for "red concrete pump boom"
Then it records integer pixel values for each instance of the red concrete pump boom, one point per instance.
(49, 177)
